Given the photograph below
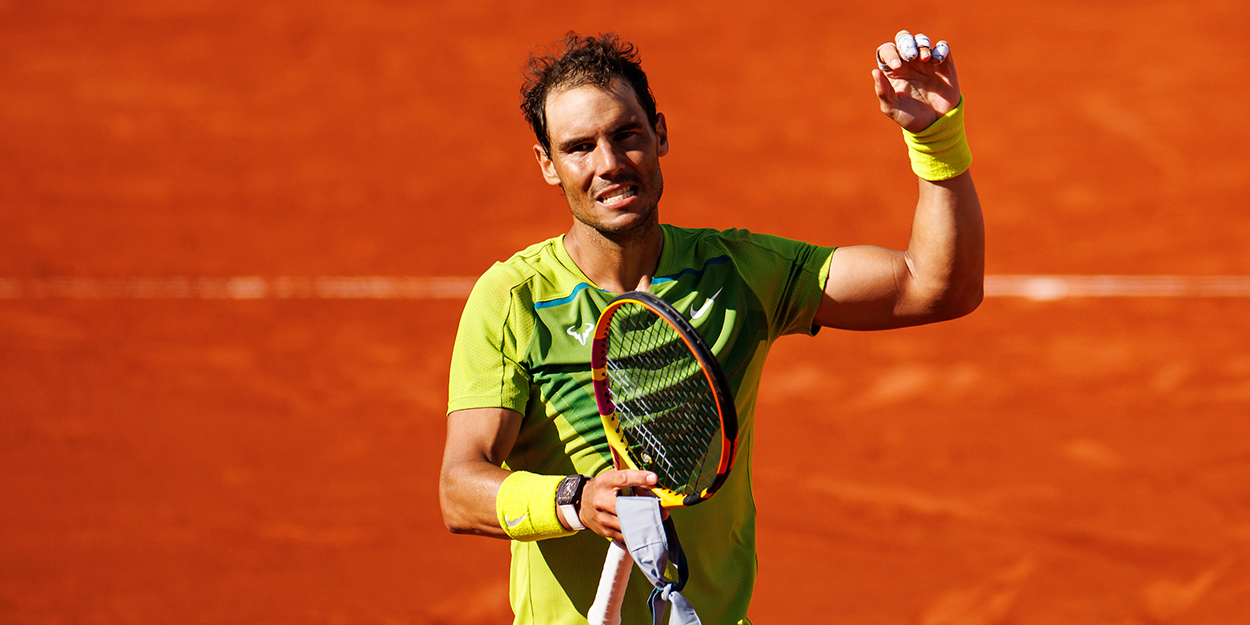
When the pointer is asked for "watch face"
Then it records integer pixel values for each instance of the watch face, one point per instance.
(567, 490)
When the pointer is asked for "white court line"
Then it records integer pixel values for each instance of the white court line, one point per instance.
(1045, 288)
(239, 287)
(1034, 287)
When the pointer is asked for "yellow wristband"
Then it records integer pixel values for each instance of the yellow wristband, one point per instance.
(526, 507)
(940, 152)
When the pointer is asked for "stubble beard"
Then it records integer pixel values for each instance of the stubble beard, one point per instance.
(635, 230)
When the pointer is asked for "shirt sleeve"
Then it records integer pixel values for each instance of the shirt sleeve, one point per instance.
(488, 368)
(788, 276)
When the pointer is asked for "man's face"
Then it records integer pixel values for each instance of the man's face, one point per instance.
(605, 156)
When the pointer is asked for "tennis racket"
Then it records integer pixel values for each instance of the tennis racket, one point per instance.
(666, 408)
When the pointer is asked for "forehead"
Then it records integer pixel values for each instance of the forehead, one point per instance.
(586, 109)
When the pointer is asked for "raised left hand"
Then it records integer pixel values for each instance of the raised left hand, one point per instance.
(915, 81)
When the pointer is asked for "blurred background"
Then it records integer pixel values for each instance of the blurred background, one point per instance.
(235, 239)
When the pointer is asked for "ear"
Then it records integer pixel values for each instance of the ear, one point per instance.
(661, 134)
(547, 166)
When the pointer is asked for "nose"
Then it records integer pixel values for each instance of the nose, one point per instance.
(609, 159)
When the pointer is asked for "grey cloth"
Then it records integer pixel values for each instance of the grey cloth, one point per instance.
(653, 544)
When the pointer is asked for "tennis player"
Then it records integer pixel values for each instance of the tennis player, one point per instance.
(526, 458)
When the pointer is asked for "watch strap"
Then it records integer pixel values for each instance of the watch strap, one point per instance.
(569, 499)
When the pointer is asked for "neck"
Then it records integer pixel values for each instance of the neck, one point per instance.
(616, 262)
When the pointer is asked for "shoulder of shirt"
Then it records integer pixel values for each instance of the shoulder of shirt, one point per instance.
(691, 236)
(527, 274)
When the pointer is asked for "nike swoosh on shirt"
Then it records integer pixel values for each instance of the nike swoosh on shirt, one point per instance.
(514, 522)
(695, 314)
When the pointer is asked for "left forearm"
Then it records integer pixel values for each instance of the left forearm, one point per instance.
(946, 252)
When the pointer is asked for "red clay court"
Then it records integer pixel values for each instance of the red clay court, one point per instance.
(209, 414)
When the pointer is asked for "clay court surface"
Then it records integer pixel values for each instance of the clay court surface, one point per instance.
(173, 458)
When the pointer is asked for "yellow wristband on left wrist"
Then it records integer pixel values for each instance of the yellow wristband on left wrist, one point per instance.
(940, 152)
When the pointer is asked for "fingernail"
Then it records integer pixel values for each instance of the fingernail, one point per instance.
(895, 63)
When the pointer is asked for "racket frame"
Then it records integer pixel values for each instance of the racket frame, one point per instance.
(709, 366)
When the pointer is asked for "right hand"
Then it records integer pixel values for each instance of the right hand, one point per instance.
(598, 508)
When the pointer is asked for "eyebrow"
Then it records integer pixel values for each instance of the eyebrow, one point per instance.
(564, 146)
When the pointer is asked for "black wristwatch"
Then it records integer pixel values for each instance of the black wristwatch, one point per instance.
(569, 499)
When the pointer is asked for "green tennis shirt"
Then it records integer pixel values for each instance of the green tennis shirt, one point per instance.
(524, 344)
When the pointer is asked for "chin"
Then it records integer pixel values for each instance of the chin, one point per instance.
(626, 224)
(617, 222)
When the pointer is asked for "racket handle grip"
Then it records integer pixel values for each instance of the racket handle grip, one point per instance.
(606, 610)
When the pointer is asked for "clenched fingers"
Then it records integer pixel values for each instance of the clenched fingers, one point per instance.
(907, 48)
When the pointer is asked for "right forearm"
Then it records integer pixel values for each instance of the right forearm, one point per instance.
(474, 496)
(467, 493)
(478, 440)
(479, 498)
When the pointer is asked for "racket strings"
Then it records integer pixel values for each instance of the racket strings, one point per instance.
(666, 406)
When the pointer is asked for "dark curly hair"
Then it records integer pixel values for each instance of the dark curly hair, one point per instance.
(584, 61)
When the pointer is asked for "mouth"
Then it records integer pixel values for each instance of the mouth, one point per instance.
(613, 197)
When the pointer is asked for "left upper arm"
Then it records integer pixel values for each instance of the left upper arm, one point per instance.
(874, 288)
